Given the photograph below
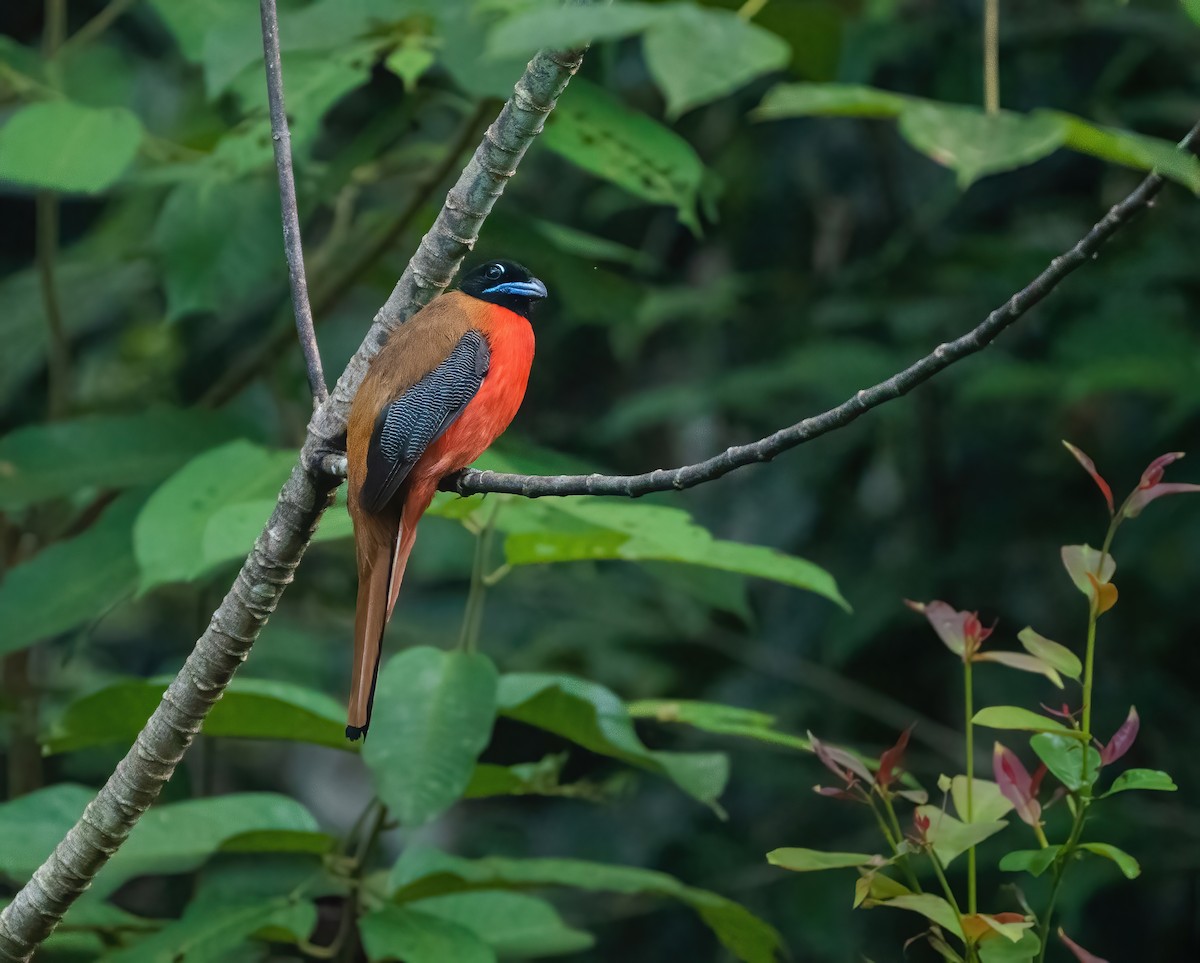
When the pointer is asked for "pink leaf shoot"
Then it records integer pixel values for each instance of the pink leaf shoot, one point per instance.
(962, 632)
(1082, 955)
(1090, 467)
(1152, 486)
(1016, 785)
(1122, 739)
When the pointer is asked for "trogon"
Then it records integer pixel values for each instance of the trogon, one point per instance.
(442, 388)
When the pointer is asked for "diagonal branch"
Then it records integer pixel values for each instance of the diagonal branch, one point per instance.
(136, 782)
(292, 247)
(472, 482)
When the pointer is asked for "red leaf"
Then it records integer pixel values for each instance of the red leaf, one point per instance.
(892, 759)
(1144, 496)
(1016, 785)
(962, 632)
(839, 762)
(1082, 955)
(1090, 467)
(1122, 739)
(1154, 471)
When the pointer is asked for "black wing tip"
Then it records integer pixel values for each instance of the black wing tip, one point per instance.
(353, 733)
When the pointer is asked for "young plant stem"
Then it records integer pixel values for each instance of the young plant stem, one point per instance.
(468, 638)
(1060, 869)
(1090, 655)
(894, 845)
(969, 726)
(991, 55)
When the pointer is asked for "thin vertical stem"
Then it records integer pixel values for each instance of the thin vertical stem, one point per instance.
(991, 55)
(293, 249)
(969, 713)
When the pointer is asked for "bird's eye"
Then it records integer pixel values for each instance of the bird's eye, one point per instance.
(494, 271)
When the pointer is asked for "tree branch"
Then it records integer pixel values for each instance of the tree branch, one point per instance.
(473, 482)
(292, 247)
(136, 782)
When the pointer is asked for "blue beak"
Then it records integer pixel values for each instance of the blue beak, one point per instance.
(533, 288)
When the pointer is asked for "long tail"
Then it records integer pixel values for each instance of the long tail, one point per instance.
(383, 554)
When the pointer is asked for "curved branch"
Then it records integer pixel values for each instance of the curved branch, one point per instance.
(135, 784)
(473, 482)
(292, 248)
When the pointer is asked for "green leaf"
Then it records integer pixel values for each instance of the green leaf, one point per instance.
(951, 837)
(67, 147)
(191, 22)
(580, 529)
(249, 709)
(1032, 861)
(541, 778)
(42, 462)
(1014, 717)
(218, 244)
(594, 717)
(1022, 661)
(813, 29)
(1192, 9)
(1126, 863)
(514, 925)
(1056, 656)
(171, 538)
(562, 28)
(1063, 756)
(421, 873)
(973, 143)
(699, 54)
(988, 803)
(932, 907)
(718, 719)
(400, 933)
(71, 582)
(814, 860)
(1023, 950)
(828, 100)
(433, 717)
(595, 131)
(1146, 779)
(280, 841)
(1130, 150)
(169, 838)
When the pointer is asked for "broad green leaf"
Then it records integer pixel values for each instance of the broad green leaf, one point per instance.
(951, 837)
(1014, 717)
(1032, 861)
(190, 23)
(541, 778)
(581, 529)
(1126, 863)
(421, 873)
(249, 709)
(829, 100)
(67, 147)
(401, 933)
(234, 900)
(41, 462)
(433, 717)
(169, 838)
(699, 54)
(592, 129)
(514, 925)
(1024, 950)
(813, 29)
(70, 582)
(1146, 779)
(171, 540)
(594, 717)
(280, 841)
(1057, 656)
(218, 244)
(718, 719)
(562, 28)
(932, 907)
(1192, 8)
(1022, 661)
(973, 143)
(1063, 756)
(814, 860)
(1130, 150)
(988, 803)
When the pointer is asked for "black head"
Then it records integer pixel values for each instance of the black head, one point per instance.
(504, 283)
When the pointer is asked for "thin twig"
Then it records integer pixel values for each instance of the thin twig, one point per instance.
(472, 482)
(97, 25)
(991, 55)
(287, 201)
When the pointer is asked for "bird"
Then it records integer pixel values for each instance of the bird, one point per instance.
(444, 385)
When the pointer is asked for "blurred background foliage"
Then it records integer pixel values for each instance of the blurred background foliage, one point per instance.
(715, 274)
